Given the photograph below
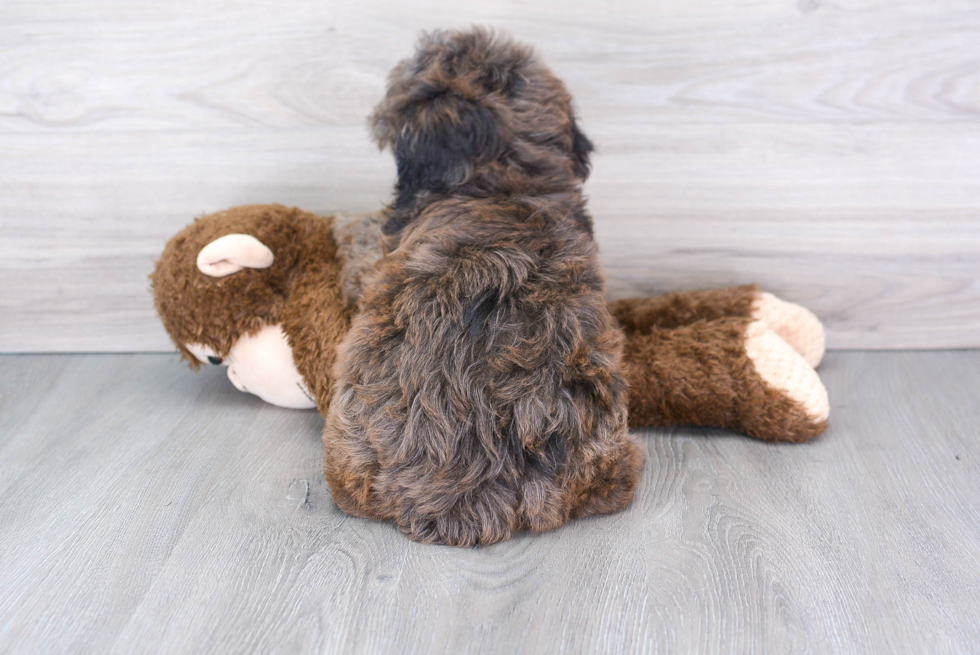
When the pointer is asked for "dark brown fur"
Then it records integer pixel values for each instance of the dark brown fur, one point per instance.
(479, 390)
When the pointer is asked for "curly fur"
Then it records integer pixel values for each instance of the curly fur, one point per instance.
(479, 390)
(358, 249)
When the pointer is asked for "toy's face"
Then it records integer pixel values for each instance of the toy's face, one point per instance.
(259, 363)
(262, 364)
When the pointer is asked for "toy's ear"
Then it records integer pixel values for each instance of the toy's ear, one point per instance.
(231, 253)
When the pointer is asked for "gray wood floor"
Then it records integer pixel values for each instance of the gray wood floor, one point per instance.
(147, 509)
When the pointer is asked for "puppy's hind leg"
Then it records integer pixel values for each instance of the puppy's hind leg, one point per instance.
(443, 514)
(351, 465)
(612, 483)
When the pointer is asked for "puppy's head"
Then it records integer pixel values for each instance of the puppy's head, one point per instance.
(474, 108)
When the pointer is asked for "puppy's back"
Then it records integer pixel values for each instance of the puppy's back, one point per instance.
(479, 390)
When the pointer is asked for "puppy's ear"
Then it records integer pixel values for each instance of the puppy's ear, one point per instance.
(439, 146)
(581, 149)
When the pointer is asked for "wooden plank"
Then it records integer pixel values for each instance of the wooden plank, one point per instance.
(883, 245)
(146, 508)
(99, 64)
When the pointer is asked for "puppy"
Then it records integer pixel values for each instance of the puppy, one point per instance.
(479, 389)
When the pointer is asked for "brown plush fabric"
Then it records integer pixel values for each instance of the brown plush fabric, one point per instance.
(479, 390)
(300, 290)
(699, 374)
(676, 309)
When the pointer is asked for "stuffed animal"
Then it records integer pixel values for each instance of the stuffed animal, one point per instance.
(269, 292)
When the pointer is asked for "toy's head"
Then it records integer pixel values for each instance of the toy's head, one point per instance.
(222, 287)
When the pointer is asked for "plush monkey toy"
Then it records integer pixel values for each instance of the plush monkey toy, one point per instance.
(269, 291)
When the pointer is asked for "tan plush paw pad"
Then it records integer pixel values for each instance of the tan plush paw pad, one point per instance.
(794, 323)
(783, 368)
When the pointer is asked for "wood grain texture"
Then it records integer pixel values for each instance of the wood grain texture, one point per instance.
(826, 150)
(146, 509)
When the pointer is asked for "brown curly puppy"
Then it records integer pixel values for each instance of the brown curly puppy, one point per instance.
(479, 390)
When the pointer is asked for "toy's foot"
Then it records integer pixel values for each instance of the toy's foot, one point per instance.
(792, 404)
(794, 323)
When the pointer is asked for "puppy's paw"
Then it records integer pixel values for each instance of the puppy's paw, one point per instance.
(793, 404)
(794, 323)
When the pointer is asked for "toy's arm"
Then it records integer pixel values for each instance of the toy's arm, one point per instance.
(677, 309)
(728, 373)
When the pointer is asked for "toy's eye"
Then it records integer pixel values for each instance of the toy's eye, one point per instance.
(214, 360)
